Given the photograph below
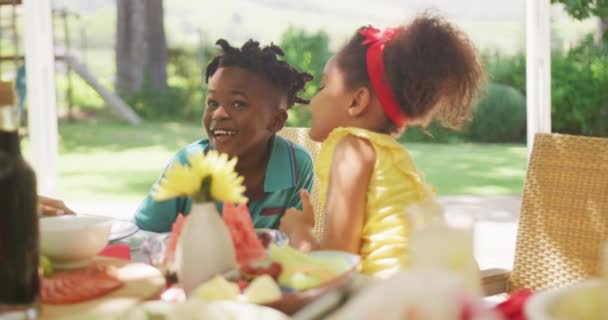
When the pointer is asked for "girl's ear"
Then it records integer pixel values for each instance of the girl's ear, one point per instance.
(277, 122)
(361, 102)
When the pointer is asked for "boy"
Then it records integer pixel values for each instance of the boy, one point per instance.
(249, 92)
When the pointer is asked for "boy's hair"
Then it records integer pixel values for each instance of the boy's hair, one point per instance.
(262, 61)
(429, 64)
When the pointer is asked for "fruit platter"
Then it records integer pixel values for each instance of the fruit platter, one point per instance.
(266, 271)
(287, 280)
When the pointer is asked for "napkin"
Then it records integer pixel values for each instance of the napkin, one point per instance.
(513, 307)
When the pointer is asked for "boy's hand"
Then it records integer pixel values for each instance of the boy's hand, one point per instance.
(298, 224)
(52, 207)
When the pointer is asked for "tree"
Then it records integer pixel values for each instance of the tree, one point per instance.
(141, 48)
(307, 52)
(582, 9)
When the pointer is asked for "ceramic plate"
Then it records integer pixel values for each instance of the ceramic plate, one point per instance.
(293, 301)
(122, 229)
(196, 309)
(582, 300)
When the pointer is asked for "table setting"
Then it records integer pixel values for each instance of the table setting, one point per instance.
(218, 266)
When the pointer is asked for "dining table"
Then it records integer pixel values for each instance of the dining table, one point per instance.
(146, 247)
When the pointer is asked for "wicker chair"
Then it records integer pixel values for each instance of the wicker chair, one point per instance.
(300, 136)
(564, 215)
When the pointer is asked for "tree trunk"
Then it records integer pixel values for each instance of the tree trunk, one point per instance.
(123, 46)
(602, 27)
(141, 48)
(157, 45)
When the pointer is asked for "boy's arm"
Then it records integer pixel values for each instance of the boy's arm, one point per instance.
(158, 216)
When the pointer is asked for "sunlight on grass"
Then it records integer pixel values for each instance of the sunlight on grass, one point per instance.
(108, 161)
(472, 169)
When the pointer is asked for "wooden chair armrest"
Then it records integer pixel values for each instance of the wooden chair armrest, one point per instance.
(494, 281)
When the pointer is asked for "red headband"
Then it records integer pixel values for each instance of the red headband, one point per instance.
(375, 39)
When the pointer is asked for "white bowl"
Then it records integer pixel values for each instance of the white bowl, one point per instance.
(581, 300)
(72, 241)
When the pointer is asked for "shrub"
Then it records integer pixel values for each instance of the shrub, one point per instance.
(507, 70)
(579, 90)
(500, 116)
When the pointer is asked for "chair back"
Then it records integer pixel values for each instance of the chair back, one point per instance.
(564, 214)
(300, 136)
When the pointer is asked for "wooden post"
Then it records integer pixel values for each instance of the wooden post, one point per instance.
(66, 38)
(538, 68)
(42, 115)
(84, 45)
(15, 36)
(0, 38)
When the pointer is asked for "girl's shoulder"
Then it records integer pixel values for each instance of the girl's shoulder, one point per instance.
(375, 138)
(388, 152)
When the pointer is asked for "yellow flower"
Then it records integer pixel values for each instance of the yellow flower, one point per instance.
(210, 177)
(225, 182)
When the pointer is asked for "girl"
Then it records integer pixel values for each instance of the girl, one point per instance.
(377, 85)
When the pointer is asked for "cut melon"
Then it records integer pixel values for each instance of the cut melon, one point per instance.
(176, 231)
(247, 245)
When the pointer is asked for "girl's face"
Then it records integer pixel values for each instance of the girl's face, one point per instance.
(243, 111)
(330, 104)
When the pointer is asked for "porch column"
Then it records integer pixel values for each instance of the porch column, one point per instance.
(42, 109)
(538, 68)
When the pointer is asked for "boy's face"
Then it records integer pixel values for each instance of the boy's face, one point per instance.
(330, 104)
(243, 111)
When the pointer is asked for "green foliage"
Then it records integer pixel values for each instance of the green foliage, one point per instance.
(500, 116)
(502, 98)
(579, 79)
(579, 90)
(184, 99)
(508, 70)
(581, 9)
(307, 52)
(83, 96)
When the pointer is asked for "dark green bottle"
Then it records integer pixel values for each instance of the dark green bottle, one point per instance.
(19, 233)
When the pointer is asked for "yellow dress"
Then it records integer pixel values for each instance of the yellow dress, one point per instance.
(394, 185)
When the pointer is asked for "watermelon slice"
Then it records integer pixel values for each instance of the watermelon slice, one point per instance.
(247, 245)
(176, 230)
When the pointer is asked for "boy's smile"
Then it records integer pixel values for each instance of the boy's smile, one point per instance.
(222, 136)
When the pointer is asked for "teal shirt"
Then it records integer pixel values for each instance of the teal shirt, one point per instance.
(290, 169)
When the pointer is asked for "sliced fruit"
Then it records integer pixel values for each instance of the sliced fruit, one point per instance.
(46, 265)
(217, 288)
(300, 280)
(247, 245)
(263, 289)
(79, 285)
(272, 269)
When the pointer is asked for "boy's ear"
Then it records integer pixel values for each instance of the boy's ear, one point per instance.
(361, 102)
(278, 120)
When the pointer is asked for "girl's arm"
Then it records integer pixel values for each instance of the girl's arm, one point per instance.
(345, 208)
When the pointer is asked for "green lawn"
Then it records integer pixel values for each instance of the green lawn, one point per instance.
(101, 161)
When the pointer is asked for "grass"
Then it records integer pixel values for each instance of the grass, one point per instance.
(107, 161)
(472, 169)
